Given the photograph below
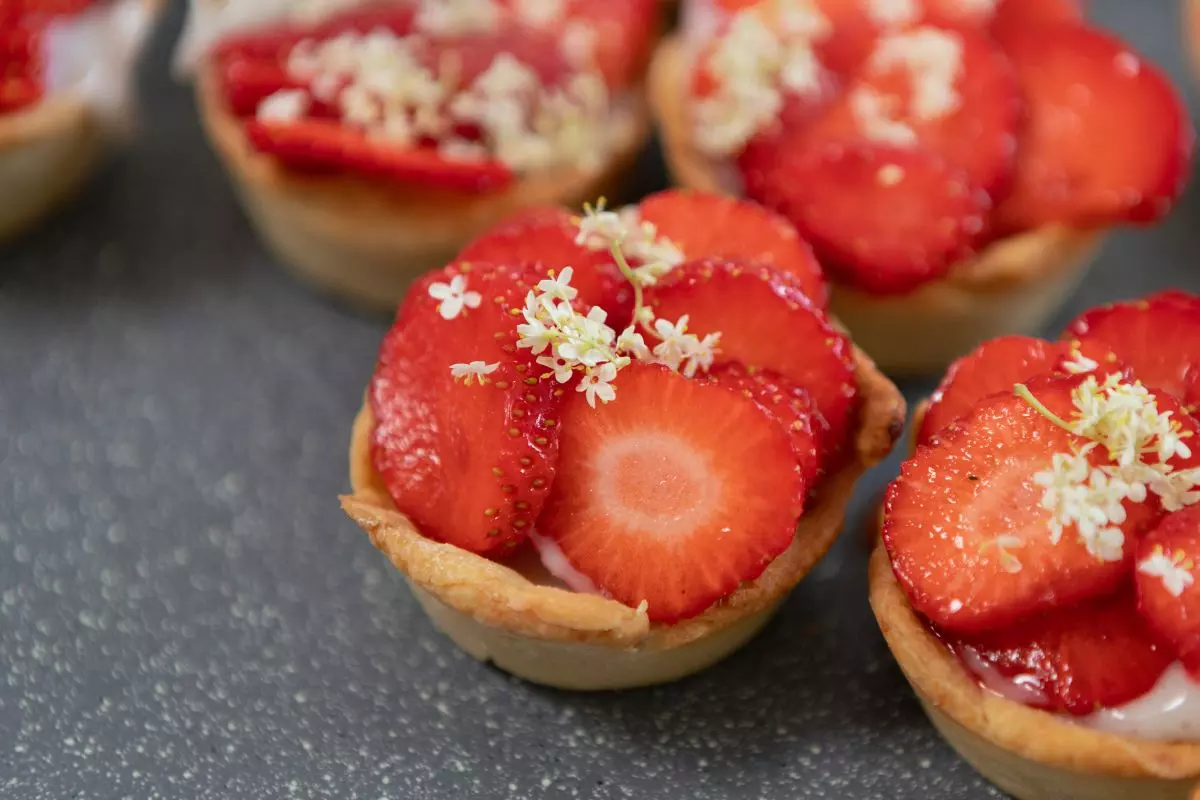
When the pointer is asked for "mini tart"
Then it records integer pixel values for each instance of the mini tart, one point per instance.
(365, 240)
(514, 618)
(1013, 286)
(1031, 754)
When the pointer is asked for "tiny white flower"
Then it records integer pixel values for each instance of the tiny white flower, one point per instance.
(597, 383)
(1175, 570)
(700, 354)
(475, 370)
(600, 229)
(559, 287)
(454, 297)
(631, 342)
(1003, 543)
(559, 366)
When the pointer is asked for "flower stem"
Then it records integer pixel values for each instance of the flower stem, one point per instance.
(629, 275)
(1022, 391)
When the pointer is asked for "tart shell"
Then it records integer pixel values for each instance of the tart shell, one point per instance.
(560, 638)
(366, 241)
(1028, 753)
(1013, 286)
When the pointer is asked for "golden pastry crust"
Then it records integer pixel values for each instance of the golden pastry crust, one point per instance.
(504, 599)
(1013, 286)
(367, 241)
(1029, 753)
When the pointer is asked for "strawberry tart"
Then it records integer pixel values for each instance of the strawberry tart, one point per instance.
(370, 140)
(954, 162)
(601, 455)
(1038, 579)
(64, 94)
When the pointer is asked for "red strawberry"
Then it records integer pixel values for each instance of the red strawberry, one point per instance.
(324, 145)
(976, 133)
(20, 55)
(469, 464)
(547, 236)
(968, 538)
(247, 82)
(1120, 151)
(275, 43)
(1159, 338)
(995, 367)
(1007, 19)
(884, 219)
(789, 404)
(624, 32)
(1078, 659)
(766, 322)
(674, 493)
(1168, 579)
(711, 226)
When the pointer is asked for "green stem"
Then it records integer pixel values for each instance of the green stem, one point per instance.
(1022, 391)
(629, 275)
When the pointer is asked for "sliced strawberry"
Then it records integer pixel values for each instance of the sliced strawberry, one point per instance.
(1168, 579)
(766, 322)
(1159, 338)
(247, 82)
(712, 226)
(884, 219)
(547, 236)
(1075, 660)
(1014, 18)
(996, 366)
(1120, 151)
(20, 59)
(789, 404)
(469, 464)
(977, 128)
(673, 494)
(965, 529)
(324, 145)
(624, 32)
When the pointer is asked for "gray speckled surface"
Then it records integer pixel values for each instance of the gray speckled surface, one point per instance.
(185, 613)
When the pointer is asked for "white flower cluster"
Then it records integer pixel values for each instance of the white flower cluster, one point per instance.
(767, 50)
(1123, 419)
(567, 343)
(383, 85)
(601, 230)
(1174, 569)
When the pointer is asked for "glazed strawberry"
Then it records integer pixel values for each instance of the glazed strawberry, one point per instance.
(789, 404)
(766, 322)
(968, 537)
(1168, 580)
(1120, 151)
(997, 365)
(884, 219)
(1097, 654)
(951, 91)
(547, 236)
(470, 464)
(324, 145)
(674, 493)
(1159, 338)
(707, 225)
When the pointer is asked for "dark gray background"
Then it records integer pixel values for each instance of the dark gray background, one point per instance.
(186, 613)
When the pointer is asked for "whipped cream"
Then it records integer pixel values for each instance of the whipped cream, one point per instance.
(1168, 712)
(556, 563)
(93, 55)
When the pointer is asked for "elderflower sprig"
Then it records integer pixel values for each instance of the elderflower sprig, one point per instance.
(1173, 569)
(1121, 420)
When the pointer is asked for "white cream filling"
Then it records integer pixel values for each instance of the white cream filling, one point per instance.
(93, 55)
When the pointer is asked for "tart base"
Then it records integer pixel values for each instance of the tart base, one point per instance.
(365, 241)
(1030, 754)
(1013, 286)
(529, 626)
(47, 153)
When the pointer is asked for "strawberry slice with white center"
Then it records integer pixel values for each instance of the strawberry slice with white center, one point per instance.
(1168, 580)
(316, 145)
(712, 226)
(1075, 660)
(547, 236)
(997, 365)
(1158, 337)
(1121, 151)
(766, 322)
(951, 91)
(790, 405)
(673, 494)
(884, 219)
(969, 540)
(471, 464)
